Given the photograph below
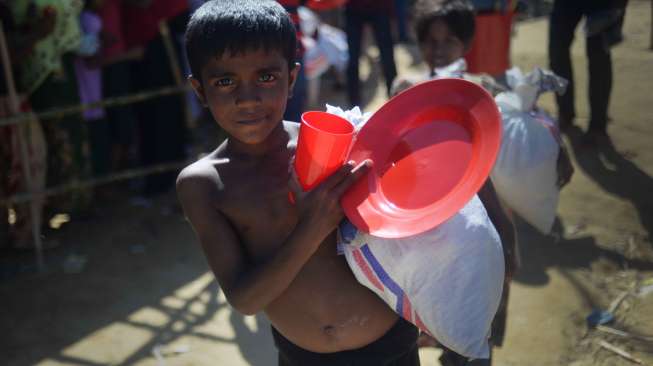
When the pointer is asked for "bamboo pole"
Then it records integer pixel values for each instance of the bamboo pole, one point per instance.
(14, 109)
(73, 185)
(620, 352)
(168, 42)
(105, 103)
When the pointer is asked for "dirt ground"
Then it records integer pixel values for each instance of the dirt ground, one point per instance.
(131, 287)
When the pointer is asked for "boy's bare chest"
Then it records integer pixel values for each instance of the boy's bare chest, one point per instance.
(258, 206)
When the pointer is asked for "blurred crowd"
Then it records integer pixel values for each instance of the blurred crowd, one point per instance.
(69, 52)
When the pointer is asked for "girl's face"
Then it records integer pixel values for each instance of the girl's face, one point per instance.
(441, 47)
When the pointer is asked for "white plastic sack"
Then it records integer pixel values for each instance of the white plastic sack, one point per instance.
(447, 281)
(329, 48)
(334, 43)
(525, 89)
(525, 173)
(315, 59)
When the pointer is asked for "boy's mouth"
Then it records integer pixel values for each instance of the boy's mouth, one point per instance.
(251, 121)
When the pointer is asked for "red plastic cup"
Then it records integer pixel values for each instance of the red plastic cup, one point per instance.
(322, 147)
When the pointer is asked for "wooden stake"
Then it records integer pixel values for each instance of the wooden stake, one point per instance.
(620, 352)
(175, 68)
(14, 109)
(59, 112)
(624, 334)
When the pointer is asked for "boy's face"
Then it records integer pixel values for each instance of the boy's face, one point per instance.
(246, 93)
(441, 47)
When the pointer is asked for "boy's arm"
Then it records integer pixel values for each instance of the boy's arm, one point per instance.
(504, 226)
(250, 287)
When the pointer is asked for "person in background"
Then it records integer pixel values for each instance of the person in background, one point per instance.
(162, 128)
(115, 58)
(401, 14)
(47, 76)
(15, 229)
(89, 83)
(377, 13)
(562, 26)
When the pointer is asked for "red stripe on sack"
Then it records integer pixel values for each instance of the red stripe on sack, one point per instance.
(408, 309)
(358, 257)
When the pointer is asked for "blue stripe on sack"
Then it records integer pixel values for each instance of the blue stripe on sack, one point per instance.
(385, 278)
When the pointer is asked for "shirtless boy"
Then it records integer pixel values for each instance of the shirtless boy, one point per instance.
(267, 254)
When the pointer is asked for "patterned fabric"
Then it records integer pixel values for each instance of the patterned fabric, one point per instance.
(67, 138)
(47, 53)
(12, 177)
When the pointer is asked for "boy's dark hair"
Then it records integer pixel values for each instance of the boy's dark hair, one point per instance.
(458, 15)
(238, 26)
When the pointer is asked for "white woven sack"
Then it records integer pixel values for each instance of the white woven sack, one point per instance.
(447, 281)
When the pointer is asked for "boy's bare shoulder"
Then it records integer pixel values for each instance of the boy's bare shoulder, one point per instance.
(202, 176)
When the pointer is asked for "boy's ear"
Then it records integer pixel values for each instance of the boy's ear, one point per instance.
(197, 88)
(292, 78)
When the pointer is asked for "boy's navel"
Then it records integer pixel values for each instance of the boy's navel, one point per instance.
(329, 330)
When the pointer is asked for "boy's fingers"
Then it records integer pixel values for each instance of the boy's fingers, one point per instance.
(338, 176)
(291, 165)
(293, 183)
(356, 174)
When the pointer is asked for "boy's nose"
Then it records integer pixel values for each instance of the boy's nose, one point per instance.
(247, 94)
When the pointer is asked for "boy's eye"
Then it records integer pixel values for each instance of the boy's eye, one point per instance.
(224, 82)
(267, 78)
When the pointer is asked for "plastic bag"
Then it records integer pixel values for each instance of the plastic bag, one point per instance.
(354, 115)
(525, 174)
(525, 89)
(325, 45)
(447, 281)
(333, 42)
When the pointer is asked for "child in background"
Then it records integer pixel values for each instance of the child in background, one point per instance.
(268, 255)
(89, 82)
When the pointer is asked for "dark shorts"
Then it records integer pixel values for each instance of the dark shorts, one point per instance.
(398, 347)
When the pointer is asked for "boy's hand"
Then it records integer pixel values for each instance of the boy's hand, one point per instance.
(320, 208)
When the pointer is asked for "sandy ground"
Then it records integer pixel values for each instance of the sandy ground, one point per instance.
(144, 296)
